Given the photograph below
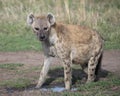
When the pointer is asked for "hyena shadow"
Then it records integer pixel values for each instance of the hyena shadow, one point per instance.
(78, 75)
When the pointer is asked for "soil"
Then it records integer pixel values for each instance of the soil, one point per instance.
(111, 63)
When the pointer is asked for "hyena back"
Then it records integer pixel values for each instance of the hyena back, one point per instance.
(71, 43)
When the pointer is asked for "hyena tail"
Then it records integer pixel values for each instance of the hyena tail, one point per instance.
(98, 67)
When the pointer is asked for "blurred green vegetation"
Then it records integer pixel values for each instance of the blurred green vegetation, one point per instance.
(15, 35)
(16, 83)
(11, 66)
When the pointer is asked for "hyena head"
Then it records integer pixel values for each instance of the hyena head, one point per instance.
(41, 25)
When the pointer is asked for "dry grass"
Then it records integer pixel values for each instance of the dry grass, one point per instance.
(74, 12)
(104, 16)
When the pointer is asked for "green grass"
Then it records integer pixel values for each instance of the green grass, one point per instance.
(28, 70)
(108, 86)
(11, 66)
(16, 83)
(15, 35)
(18, 40)
(101, 88)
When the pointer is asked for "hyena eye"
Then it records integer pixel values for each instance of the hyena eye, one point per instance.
(36, 28)
(45, 28)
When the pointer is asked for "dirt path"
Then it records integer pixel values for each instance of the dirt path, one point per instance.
(111, 59)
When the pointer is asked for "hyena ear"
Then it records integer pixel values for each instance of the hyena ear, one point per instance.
(51, 18)
(30, 19)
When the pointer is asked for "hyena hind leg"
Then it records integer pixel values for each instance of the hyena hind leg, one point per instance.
(98, 67)
(94, 65)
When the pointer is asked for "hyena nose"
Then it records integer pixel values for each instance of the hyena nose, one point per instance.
(42, 37)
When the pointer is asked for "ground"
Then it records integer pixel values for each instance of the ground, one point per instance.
(111, 59)
(28, 69)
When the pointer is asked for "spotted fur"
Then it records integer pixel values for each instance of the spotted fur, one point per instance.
(71, 43)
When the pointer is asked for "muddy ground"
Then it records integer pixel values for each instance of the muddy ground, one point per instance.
(110, 63)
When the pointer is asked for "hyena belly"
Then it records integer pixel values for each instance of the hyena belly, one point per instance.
(80, 55)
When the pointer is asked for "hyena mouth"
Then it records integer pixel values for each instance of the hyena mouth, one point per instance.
(42, 38)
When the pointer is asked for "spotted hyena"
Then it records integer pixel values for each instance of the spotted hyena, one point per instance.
(71, 43)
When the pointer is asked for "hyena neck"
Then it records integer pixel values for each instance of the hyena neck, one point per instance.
(53, 36)
(45, 47)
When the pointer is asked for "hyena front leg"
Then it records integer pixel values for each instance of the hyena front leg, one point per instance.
(44, 72)
(67, 73)
(92, 64)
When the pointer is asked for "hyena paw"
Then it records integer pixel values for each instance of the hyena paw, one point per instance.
(37, 86)
(90, 80)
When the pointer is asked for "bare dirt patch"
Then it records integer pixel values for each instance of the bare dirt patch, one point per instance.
(111, 61)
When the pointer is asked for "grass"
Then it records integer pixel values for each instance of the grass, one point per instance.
(28, 70)
(108, 86)
(18, 40)
(18, 83)
(11, 66)
(15, 35)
